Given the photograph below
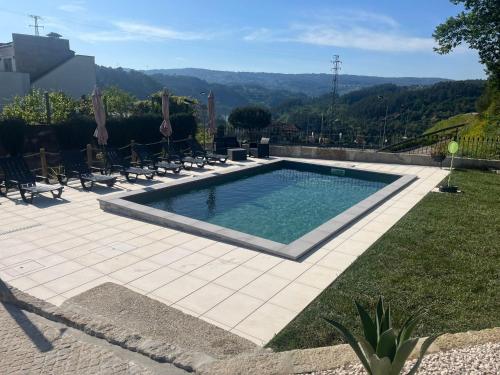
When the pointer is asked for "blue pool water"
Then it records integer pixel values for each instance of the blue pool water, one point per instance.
(280, 205)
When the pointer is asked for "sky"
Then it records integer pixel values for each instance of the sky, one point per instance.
(391, 38)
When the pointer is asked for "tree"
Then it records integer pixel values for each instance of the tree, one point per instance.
(478, 26)
(32, 108)
(118, 102)
(250, 117)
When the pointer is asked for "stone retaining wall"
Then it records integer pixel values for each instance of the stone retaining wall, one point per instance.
(309, 152)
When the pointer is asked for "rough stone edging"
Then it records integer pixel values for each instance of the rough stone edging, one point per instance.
(326, 358)
(103, 328)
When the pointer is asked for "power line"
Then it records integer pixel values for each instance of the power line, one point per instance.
(36, 26)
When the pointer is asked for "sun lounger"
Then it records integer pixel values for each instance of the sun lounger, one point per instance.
(17, 174)
(148, 160)
(178, 153)
(75, 167)
(209, 156)
(116, 163)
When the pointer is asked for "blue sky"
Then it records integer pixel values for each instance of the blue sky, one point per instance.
(384, 38)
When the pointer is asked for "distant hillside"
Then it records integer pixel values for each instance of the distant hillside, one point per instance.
(138, 84)
(227, 96)
(309, 84)
(410, 110)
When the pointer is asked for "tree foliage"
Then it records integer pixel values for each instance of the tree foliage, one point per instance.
(118, 102)
(478, 25)
(250, 117)
(32, 107)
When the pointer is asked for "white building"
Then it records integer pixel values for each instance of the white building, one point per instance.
(46, 63)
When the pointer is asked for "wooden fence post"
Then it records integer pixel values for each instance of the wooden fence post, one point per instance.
(89, 155)
(133, 156)
(43, 163)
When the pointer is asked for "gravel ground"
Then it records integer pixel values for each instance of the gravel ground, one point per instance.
(474, 360)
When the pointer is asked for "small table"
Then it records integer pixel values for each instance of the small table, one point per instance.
(237, 154)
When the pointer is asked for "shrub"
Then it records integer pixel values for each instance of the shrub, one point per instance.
(12, 134)
(382, 350)
(250, 117)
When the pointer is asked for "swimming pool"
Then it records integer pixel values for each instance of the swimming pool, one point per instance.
(283, 207)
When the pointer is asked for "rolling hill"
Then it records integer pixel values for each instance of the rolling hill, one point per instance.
(309, 84)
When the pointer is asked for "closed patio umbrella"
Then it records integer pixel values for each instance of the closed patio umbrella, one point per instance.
(165, 127)
(100, 117)
(211, 113)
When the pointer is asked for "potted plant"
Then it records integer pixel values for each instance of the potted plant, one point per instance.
(383, 350)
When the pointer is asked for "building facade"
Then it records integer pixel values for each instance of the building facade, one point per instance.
(45, 63)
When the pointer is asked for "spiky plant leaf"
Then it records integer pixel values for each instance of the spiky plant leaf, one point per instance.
(379, 314)
(380, 366)
(366, 346)
(402, 353)
(427, 343)
(351, 340)
(369, 327)
(386, 346)
(408, 327)
(386, 321)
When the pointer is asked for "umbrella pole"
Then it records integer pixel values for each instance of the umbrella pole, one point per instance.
(204, 135)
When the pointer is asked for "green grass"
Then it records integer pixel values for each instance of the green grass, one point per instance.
(465, 118)
(443, 255)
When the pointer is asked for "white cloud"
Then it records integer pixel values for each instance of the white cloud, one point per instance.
(348, 29)
(363, 38)
(127, 31)
(74, 7)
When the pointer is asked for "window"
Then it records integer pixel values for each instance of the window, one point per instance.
(7, 65)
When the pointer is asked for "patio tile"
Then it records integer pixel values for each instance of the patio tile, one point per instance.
(205, 298)
(265, 286)
(156, 279)
(41, 292)
(23, 283)
(57, 300)
(352, 247)
(198, 244)
(266, 321)
(318, 276)
(73, 280)
(160, 234)
(295, 296)
(190, 262)
(289, 269)
(90, 259)
(263, 262)
(233, 309)
(54, 272)
(116, 263)
(366, 236)
(336, 260)
(135, 271)
(170, 256)
(89, 285)
(238, 277)
(217, 249)
(239, 255)
(179, 288)
(213, 269)
(25, 256)
(215, 323)
(179, 238)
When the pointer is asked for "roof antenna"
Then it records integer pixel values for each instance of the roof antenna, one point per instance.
(36, 26)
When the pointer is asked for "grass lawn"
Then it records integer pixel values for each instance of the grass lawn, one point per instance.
(443, 255)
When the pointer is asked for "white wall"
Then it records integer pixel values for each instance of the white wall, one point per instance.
(12, 84)
(75, 77)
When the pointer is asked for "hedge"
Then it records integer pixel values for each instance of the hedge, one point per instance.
(18, 137)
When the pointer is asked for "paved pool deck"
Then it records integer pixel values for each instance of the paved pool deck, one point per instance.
(55, 250)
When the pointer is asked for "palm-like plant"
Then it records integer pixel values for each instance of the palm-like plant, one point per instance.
(382, 350)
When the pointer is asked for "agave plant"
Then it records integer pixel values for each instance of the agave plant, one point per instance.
(383, 350)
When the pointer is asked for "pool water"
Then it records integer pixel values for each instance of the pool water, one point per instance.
(279, 205)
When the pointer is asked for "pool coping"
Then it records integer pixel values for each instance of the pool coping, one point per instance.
(118, 204)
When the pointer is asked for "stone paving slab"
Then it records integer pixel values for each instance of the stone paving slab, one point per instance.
(71, 246)
(153, 319)
(30, 344)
